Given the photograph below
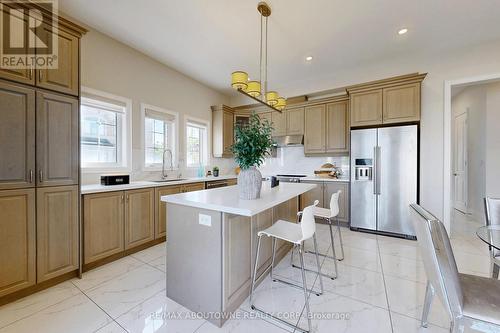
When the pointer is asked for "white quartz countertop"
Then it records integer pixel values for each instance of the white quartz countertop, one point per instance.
(226, 199)
(98, 188)
(322, 179)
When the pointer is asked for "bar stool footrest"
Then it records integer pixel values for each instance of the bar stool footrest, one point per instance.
(296, 327)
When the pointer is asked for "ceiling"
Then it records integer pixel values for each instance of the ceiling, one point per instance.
(208, 39)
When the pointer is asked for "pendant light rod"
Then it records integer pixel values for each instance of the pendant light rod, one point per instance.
(241, 91)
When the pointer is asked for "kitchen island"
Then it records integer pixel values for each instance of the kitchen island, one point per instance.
(212, 238)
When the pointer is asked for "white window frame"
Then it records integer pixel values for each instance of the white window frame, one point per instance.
(174, 136)
(206, 153)
(94, 96)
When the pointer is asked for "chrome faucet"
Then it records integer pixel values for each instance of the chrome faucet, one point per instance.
(163, 172)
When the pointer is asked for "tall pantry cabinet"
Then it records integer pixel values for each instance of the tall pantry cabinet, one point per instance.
(39, 168)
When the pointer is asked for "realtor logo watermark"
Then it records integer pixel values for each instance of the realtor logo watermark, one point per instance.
(28, 37)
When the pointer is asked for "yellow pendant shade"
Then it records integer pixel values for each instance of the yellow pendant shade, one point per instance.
(239, 80)
(272, 98)
(281, 104)
(253, 88)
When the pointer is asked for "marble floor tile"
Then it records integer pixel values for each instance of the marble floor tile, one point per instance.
(399, 247)
(27, 306)
(76, 314)
(160, 263)
(365, 259)
(112, 327)
(472, 263)
(336, 313)
(404, 268)
(243, 322)
(407, 298)
(106, 272)
(359, 284)
(151, 253)
(160, 314)
(404, 324)
(286, 271)
(121, 294)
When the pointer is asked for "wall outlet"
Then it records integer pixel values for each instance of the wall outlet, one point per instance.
(205, 220)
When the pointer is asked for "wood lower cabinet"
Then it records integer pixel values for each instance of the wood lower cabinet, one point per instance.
(366, 108)
(402, 103)
(64, 78)
(103, 225)
(193, 187)
(57, 140)
(17, 136)
(57, 231)
(331, 188)
(139, 217)
(17, 240)
(232, 181)
(161, 209)
(315, 136)
(323, 193)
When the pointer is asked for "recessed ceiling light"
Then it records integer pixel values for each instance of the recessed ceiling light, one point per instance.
(402, 31)
(309, 58)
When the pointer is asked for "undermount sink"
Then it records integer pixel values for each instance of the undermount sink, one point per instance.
(169, 180)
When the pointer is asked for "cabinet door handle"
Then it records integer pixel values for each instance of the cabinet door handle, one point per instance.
(40, 75)
(31, 73)
(123, 198)
(40, 176)
(31, 176)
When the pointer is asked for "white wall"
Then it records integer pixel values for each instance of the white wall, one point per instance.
(110, 66)
(493, 140)
(472, 61)
(473, 101)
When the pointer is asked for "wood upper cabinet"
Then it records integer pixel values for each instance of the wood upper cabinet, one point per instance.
(294, 121)
(331, 188)
(103, 225)
(65, 77)
(17, 136)
(17, 240)
(222, 131)
(57, 231)
(337, 127)
(161, 209)
(18, 25)
(402, 103)
(314, 141)
(57, 140)
(139, 217)
(279, 123)
(266, 116)
(366, 108)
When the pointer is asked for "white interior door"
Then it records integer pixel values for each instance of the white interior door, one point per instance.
(460, 163)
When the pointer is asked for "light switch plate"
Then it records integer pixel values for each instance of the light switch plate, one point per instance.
(205, 220)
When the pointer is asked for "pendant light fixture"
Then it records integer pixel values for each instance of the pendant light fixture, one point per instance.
(257, 90)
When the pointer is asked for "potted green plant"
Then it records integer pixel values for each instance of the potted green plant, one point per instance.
(253, 143)
(215, 171)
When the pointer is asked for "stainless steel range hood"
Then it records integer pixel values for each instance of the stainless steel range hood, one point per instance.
(288, 140)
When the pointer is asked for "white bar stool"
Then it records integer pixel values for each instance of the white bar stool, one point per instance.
(296, 234)
(328, 215)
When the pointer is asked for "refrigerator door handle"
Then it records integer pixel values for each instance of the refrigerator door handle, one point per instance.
(377, 169)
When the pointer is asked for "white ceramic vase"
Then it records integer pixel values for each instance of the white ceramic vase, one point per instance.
(249, 183)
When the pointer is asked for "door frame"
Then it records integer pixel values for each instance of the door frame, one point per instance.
(447, 165)
(465, 208)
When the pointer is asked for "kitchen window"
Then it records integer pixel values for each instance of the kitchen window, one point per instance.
(196, 144)
(159, 135)
(103, 138)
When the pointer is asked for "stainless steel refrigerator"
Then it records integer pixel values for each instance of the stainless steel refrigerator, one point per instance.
(384, 173)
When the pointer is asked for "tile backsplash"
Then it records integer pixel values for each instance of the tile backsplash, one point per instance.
(291, 160)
